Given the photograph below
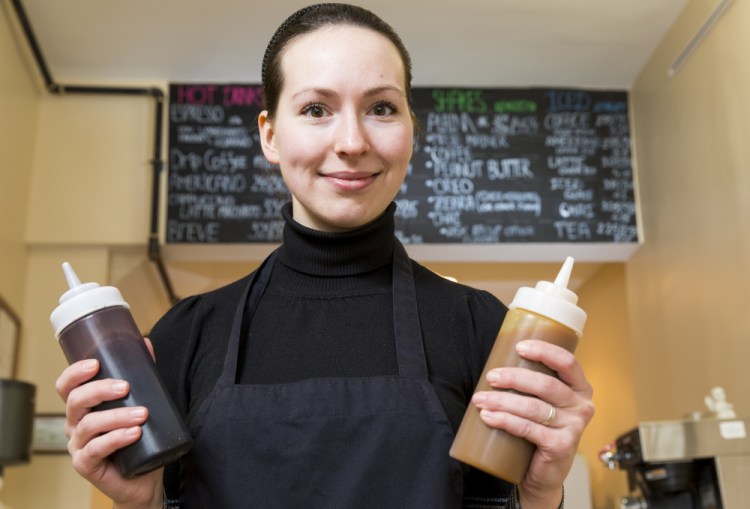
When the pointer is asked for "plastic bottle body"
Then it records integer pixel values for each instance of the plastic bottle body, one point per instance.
(495, 451)
(111, 336)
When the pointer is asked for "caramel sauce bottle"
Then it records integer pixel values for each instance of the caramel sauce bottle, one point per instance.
(547, 312)
(94, 322)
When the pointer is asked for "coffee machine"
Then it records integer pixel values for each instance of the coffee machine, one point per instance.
(684, 464)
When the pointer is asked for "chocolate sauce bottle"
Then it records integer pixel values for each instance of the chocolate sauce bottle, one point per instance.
(547, 312)
(94, 322)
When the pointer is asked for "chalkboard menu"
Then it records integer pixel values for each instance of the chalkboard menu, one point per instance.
(489, 166)
(220, 186)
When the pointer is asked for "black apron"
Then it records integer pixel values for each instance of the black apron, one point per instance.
(372, 442)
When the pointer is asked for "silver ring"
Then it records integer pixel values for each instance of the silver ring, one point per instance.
(550, 417)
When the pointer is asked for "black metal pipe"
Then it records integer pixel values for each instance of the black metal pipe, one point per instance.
(154, 249)
(87, 89)
(156, 163)
(23, 19)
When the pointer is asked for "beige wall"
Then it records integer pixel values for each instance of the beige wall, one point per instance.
(74, 185)
(91, 178)
(19, 104)
(18, 121)
(607, 358)
(689, 285)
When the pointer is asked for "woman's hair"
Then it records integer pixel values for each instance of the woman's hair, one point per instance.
(311, 18)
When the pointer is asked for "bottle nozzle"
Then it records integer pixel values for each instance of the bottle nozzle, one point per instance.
(560, 287)
(70, 275)
(81, 299)
(563, 277)
(553, 299)
(74, 284)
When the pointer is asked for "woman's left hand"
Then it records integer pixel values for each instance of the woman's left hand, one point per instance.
(553, 420)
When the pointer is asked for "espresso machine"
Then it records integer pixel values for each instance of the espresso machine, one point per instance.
(684, 464)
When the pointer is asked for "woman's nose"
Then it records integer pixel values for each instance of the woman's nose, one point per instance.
(351, 136)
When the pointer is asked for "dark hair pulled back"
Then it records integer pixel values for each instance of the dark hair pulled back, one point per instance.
(311, 18)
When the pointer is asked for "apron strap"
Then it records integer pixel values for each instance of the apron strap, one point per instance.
(249, 300)
(406, 324)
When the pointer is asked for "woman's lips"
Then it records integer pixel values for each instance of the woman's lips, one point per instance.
(351, 181)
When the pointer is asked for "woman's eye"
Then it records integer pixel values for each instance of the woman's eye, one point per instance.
(383, 109)
(314, 110)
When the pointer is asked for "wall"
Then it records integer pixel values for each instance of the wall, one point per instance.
(92, 175)
(88, 205)
(19, 104)
(689, 285)
(74, 185)
(18, 121)
(607, 358)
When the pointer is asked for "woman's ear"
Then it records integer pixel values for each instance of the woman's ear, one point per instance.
(268, 138)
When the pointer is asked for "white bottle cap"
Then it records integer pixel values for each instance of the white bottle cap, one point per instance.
(553, 300)
(81, 300)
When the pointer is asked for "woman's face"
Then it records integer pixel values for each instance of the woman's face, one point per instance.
(342, 133)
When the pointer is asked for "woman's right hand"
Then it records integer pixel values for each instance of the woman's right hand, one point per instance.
(94, 435)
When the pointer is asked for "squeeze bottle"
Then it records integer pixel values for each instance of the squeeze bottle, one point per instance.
(547, 312)
(94, 322)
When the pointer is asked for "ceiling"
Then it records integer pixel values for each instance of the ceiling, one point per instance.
(504, 43)
(489, 43)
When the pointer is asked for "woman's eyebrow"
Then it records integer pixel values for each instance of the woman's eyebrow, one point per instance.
(384, 88)
(327, 92)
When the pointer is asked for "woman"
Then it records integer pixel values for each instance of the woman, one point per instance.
(337, 373)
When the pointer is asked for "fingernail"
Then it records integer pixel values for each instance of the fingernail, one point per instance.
(131, 432)
(137, 413)
(119, 387)
(493, 376)
(523, 347)
(485, 414)
(89, 365)
(479, 397)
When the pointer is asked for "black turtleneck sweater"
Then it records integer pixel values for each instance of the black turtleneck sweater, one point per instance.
(327, 312)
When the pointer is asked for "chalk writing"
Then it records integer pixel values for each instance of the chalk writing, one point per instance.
(456, 100)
